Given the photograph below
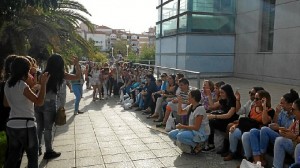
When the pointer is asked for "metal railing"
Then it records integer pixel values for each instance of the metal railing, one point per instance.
(159, 69)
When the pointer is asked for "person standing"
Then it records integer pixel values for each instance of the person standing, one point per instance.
(45, 114)
(21, 127)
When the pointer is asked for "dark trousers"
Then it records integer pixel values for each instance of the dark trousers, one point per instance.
(219, 125)
(21, 139)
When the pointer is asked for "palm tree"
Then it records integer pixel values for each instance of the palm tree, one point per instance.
(41, 25)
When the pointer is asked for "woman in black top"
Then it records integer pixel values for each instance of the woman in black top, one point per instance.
(220, 120)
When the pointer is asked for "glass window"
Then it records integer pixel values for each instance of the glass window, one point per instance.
(183, 6)
(169, 10)
(213, 6)
(212, 23)
(169, 27)
(159, 2)
(158, 30)
(183, 23)
(267, 29)
(165, 1)
(159, 14)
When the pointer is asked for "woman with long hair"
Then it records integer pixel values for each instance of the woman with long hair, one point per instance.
(45, 115)
(21, 127)
(219, 121)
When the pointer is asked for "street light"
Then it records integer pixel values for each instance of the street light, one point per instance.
(127, 49)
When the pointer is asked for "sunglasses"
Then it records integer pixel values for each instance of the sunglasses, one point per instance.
(251, 93)
(257, 99)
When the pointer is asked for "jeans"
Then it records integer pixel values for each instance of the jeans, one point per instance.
(185, 137)
(234, 139)
(22, 139)
(77, 92)
(254, 141)
(246, 144)
(267, 135)
(45, 117)
(282, 145)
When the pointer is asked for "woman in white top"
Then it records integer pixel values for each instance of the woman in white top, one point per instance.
(21, 127)
(96, 83)
(197, 131)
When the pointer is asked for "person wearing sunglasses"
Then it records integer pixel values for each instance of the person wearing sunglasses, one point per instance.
(283, 118)
(289, 140)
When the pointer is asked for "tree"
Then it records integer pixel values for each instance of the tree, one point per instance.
(147, 53)
(40, 25)
(120, 46)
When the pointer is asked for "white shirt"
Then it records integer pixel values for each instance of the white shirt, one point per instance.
(20, 105)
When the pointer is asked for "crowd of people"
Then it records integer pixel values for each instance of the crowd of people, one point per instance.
(198, 113)
(250, 130)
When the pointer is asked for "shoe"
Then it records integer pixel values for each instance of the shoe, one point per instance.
(40, 151)
(80, 112)
(138, 109)
(146, 113)
(152, 116)
(75, 113)
(158, 120)
(51, 155)
(229, 157)
(160, 125)
(209, 148)
(135, 105)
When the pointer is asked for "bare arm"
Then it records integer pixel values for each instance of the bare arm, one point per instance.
(230, 113)
(265, 116)
(180, 111)
(37, 99)
(78, 71)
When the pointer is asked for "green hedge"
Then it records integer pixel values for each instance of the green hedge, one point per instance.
(2, 147)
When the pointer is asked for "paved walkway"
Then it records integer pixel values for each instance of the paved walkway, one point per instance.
(108, 136)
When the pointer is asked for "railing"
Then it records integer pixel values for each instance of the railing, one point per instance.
(171, 70)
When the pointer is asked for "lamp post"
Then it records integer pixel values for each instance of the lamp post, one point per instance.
(127, 49)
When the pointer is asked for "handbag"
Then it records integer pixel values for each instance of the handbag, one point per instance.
(246, 124)
(170, 124)
(61, 118)
(247, 164)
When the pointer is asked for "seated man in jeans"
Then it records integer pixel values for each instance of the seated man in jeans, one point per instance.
(172, 105)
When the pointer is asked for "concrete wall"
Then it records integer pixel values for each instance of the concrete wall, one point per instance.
(280, 65)
(202, 53)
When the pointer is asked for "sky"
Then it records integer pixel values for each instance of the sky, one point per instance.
(135, 16)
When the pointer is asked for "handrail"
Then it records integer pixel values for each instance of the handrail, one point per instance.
(173, 69)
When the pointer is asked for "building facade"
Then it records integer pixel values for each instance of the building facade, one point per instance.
(257, 39)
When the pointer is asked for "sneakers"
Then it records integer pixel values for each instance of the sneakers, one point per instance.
(209, 148)
(80, 112)
(51, 155)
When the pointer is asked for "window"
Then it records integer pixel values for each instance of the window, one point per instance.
(169, 10)
(183, 6)
(169, 27)
(212, 23)
(214, 6)
(267, 25)
(183, 23)
(158, 30)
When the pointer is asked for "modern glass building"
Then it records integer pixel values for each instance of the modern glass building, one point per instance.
(196, 35)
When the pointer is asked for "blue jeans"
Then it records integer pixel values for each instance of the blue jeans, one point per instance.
(267, 135)
(45, 117)
(78, 93)
(282, 145)
(234, 139)
(246, 144)
(22, 139)
(254, 141)
(185, 137)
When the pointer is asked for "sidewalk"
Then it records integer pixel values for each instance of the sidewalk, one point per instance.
(108, 136)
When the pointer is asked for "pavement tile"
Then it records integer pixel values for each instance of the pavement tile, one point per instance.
(165, 152)
(110, 144)
(120, 165)
(66, 156)
(63, 142)
(107, 138)
(89, 161)
(132, 142)
(86, 146)
(141, 155)
(61, 163)
(127, 137)
(151, 163)
(136, 148)
(86, 140)
(87, 153)
(65, 148)
(158, 145)
(116, 158)
(151, 139)
(112, 150)
(94, 166)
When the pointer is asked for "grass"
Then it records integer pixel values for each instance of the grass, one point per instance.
(2, 147)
